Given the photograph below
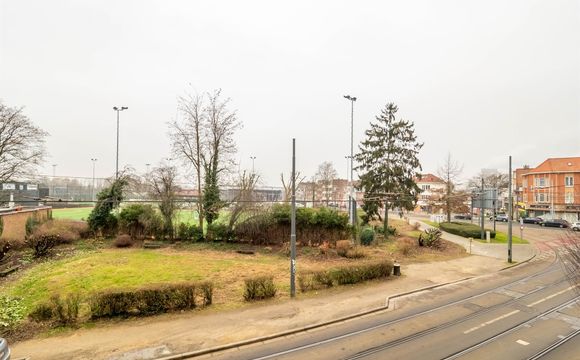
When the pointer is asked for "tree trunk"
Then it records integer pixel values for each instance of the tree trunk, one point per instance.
(386, 220)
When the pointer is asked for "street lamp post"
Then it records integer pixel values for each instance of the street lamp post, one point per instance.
(147, 167)
(94, 160)
(118, 110)
(347, 157)
(351, 200)
(253, 158)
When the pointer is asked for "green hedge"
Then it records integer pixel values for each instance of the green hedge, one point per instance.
(259, 288)
(464, 229)
(153, 300)
(353, 274)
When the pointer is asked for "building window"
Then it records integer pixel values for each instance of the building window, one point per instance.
(525, 182)
(569, 180)
(541, 182)
(425, 187)
(569, 198)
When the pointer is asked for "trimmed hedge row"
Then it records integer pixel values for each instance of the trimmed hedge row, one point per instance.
(314, 280)
(154, 300)
(259, 288)
(464, 229)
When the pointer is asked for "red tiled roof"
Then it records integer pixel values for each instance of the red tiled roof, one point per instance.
(429, 178)
(570, 164)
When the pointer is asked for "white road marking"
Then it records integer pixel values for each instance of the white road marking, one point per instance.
(551, 296)
(491, 321)
(521, 342)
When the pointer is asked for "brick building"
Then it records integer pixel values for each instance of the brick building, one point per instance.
(550, 190)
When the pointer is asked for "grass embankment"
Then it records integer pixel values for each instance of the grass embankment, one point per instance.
(500, 237)
(95, 267)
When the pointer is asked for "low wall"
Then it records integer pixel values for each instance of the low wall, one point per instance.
(15, 222)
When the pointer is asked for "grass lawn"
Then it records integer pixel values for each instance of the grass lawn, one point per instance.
(183, 216)
(501, 238)
(72, 213)
(432, 223)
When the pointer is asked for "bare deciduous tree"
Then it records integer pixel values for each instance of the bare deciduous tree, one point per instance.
(187, 137)
(204, 140)
(287, 184)
(451, 199)
(245, 201)
(21, 144)
(163, 188)
(326, 174)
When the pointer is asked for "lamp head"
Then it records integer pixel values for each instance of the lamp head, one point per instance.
(115, 108)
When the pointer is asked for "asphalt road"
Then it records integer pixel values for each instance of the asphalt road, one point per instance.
(518, 313)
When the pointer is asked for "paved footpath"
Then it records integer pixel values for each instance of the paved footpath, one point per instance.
(148, 338)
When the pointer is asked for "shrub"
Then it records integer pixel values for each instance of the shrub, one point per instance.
(391, 230)
(358, 273)
(218, 232)
(206, 291)
(66, 312)
(68, 231)
(367, 236)
(406, 246)
(342, 247)
(123, 240)
(43, 244)
(101, 220)
(11, 311)
(258, 288)
(464, 229)
(152, 300)
(430, 238)
(189, 232)
(140, 220)
(31, 224)
(42, 312)
(4, 249)
(314, 280)
(355, 253)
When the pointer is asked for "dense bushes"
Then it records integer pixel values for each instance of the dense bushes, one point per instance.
(367, 236)
(43, 244)
(153, 300)
(344, 275)
(189, 232)
(464, 229)
(62, 311)
(258, 288)
(140, 220)
(101, 220)
(123, 240)
(218, 232)
(430, 238)
(4, 249)
(313, 226)
(68, 231)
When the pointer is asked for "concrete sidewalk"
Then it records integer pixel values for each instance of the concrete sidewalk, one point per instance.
(520, 252)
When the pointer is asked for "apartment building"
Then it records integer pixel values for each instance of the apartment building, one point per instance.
(429, 185)
(550, 190)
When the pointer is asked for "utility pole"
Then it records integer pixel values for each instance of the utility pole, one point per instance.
(510, 212)
(351, 199)
(93, 188)
(118, 110)
(253, 158)
(482, 210)
(293, 225)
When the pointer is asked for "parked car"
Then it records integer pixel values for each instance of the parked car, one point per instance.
(576, 226)
(500, 217)
(555, 223)
(532, 220)
(4, 350)
(462, 216)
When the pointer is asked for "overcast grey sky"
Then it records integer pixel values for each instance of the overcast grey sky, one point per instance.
(480, 79)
